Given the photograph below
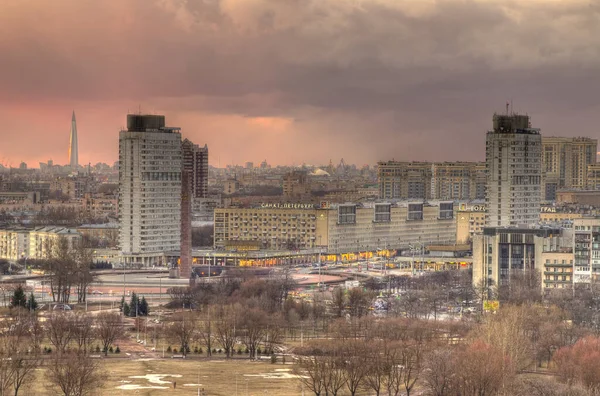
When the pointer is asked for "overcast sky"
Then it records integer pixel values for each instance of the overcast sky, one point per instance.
(295, 81)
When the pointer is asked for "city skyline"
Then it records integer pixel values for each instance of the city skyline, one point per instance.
(365, 81)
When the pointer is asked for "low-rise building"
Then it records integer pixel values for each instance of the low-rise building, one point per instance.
(557, 269)
(21, 243)
(338, 228)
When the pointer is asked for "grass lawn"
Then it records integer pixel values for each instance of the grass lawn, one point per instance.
(217, 377)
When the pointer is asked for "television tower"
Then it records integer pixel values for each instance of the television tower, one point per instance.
(73, 150)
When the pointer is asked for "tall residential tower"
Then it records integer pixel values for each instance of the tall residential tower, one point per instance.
(73, 149)
(513, 157)
(149, 190)
(195, 161)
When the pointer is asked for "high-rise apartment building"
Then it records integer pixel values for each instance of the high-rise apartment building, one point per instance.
(404, 180)
(565, 162)
(73, 147)
(149, 190)
(513, 163)
(458, 181)
(295, 185)
(427, 180)
(195, 160)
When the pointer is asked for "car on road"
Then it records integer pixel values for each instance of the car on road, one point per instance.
(62, 307)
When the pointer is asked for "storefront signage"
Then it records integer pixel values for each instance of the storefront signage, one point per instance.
(286, 206)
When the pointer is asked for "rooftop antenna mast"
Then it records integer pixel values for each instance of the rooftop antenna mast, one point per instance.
(507, 104)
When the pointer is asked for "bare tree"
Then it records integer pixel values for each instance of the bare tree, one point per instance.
(310, 371)
(83, 277)
(83, 329)
(61, 268)
(225, 327)
(359, 301)
(59, 330)
(439, 376)
(339, 301)
(334, 378)
(109, 329)
(253, 329)
(74, 374)
(353, 364)
(184, 331)
(18, 356)
(482, 370)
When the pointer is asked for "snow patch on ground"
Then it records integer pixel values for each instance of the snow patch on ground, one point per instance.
(156, 378)
(138, 387)
(278, 374)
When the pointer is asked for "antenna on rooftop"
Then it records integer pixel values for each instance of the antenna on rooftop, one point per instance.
(507, 104)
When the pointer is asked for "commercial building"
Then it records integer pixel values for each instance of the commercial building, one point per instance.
(565, 162)
(500, 252)
(269, 226)
(149, 189)
(372, 226)
(429, 180)
(513, 163)
(470, 220)
(337, 228)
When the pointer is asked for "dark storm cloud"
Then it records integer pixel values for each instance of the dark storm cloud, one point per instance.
(393, 75)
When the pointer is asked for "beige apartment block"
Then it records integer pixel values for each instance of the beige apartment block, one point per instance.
(565, 163)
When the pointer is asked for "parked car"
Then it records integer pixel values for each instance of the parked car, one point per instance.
(62, 307)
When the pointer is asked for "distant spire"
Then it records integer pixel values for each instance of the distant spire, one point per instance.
(73, 146)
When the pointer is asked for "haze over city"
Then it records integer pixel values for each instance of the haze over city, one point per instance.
(294, 81)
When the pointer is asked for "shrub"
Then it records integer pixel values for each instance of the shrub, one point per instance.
(169, 348)
(111, 350)
(273, 359)
(239, 351)
(117, 349)
(97, 348)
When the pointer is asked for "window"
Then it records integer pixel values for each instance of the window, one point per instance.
(383, 213)
(446, 210)
(415, 211)
(347, 214)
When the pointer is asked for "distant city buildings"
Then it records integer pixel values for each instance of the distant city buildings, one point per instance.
(514, 177)
(150, 161)
(430, 180)
(295, 185)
